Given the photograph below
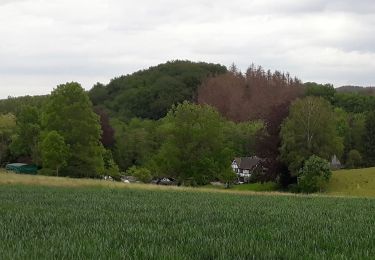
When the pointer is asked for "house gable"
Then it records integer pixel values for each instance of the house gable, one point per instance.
(244, 167)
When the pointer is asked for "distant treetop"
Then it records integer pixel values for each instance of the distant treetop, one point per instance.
(151, 93)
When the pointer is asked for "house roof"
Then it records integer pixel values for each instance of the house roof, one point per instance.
(247, 163)
(17, 164)
(22, 168)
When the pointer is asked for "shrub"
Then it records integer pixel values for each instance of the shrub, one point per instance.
(257, 175)
(110, 166)
(47, 172)
(314, 175)
(227, 177)
(354, 159)
(142, 174)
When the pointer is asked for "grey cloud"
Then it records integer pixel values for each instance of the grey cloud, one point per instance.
(351, 6)
(48, 42)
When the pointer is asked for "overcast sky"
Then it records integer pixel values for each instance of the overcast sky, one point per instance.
(48, 42)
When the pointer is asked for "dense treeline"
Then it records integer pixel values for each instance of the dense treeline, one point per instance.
(188, 120)
(255, 95)
(151, 93)
(14, 105)
(351, 102)
(353, 117)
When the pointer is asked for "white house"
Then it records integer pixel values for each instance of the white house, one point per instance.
(244, 167)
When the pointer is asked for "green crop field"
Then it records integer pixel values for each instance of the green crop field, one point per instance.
(108, 222)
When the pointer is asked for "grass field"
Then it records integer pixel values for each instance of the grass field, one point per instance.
(251, 187)
(52, 218)
(268, 186)
(38, 180)
(357, 182)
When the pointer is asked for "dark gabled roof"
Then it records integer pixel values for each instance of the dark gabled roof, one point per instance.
(247, 163)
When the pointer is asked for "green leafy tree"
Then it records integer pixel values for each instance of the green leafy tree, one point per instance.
(314, 175)
(141, 173)
(354, 159)
(342, 122)
(110, 166)
(243, 136)
(70, 113)
(54, 151)
(98, 94)
(7, 129)
(354, 102)
(369, 138)
(151, 93)
(136, 142)
(26, 140)
(309, 129)
(326, 91)
(15, 105)
(227, 176)
(195, 150)
(354, 139)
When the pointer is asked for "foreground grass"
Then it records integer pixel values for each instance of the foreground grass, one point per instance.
(99, 222)
(268, 186)
(252, 187)
(356, 182)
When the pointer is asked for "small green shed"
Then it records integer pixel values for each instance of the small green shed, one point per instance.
(22, 168)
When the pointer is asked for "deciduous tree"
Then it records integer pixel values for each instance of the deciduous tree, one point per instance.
(54, 151)
(70, 113)
(7, 129)
(314, 175)
(370, 139)
(310, 129)
(195, 149)
(108, 133)
(25, 141)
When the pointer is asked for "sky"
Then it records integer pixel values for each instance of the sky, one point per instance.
(44, 43)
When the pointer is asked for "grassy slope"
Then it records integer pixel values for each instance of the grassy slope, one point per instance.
(357, 182)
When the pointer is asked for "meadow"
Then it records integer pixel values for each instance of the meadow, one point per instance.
(356, 182)
(137, 222)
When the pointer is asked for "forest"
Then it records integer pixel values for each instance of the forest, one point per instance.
(188, 121)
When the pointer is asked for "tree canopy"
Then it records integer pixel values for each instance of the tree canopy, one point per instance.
(188, 120)
(195, 147)
(54, 151)
(26, 139)
(369, 144)
(151, 93)
(69, 112)
(314, 175)
(310, 129)
(7, 129)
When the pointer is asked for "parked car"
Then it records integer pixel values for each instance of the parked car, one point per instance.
(165, 181)
(128, 179)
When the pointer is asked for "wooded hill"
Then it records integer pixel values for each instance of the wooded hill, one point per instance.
(188, 120)
(151, 93)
